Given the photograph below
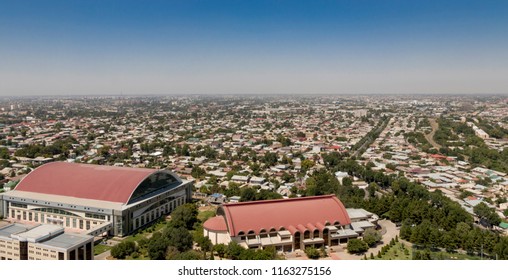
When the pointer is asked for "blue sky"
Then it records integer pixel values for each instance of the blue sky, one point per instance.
(234, 47)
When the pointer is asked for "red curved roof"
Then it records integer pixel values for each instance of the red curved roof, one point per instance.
(216, 223)
(99, 182)
(292, 214)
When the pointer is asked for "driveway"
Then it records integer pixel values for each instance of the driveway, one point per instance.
(389, 231)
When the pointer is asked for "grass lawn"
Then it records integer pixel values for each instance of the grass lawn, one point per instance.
(397, 252)
(146, 232)
(99, 249)
(205, 215)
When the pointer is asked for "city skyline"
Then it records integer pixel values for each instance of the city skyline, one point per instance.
(266, 47)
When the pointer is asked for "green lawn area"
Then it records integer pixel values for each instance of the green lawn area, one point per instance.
(205, 215)
(397, 252)
(99, 249)
(146, 232)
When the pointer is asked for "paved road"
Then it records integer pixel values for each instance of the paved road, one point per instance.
(391, 232)
(370, 141)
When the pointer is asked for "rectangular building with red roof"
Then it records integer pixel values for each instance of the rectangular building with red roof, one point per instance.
(287, 224)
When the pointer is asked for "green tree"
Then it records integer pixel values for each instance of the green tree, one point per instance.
(270, 159)
(248, 194)
(157, 247)
(198, 172)
(234, 250)
(221, 250)
(180, 238)
(307, 164)
(123, 249)
(321, 182)
(487, 214)
(188, 255)
(205, 244)
(185, 216)
(371, 237)
(357, 246)
(267, 253)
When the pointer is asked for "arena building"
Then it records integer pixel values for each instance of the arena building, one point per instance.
(287, 224)
(94, 199)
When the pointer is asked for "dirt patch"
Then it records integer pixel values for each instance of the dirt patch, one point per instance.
(430, 136)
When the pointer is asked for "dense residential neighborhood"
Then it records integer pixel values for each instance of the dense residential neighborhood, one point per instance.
(238, 149)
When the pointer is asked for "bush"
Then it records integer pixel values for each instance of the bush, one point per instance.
(357, 246)
(143, 242)
(371, 237)
(312, 253)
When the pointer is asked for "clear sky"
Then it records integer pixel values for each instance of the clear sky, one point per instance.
(177, 47)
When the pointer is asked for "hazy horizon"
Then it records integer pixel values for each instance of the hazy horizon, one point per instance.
(132, 48)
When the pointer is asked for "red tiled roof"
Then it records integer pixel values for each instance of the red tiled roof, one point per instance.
(99, 182)
(294, 214)
(437, 156)
(216, 223)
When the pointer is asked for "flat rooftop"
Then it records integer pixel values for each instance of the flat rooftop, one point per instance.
(39, 233)
(48, 235)
(10, 229)
(67, 240)
(355, 213)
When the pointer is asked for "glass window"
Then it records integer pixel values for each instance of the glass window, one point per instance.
(153, 183)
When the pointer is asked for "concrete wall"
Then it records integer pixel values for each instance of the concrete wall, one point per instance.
(218, 237)
(9, 249)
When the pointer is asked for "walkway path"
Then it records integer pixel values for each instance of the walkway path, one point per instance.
(103, 256)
